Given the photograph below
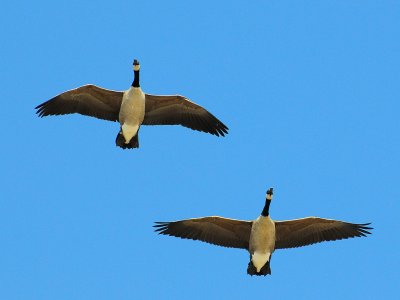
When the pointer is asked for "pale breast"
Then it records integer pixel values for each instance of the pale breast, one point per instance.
(132, 107)
(262, 237)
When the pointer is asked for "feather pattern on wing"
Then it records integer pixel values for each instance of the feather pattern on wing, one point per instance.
(178, 110)
(311, 230)
(88, 100)
(214, 230)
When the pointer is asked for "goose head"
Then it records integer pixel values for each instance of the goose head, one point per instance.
(136, 65)
(270, 193)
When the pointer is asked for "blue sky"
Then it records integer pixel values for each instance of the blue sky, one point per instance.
(310, 92)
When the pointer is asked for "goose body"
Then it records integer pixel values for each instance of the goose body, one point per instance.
(132, 111)
(262, 241)
(262, 236)
(132, 108)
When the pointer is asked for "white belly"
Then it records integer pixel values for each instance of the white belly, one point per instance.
(129, 131)
(259, 259)
(132, 111)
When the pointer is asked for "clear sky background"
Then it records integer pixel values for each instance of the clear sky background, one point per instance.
(310, 92)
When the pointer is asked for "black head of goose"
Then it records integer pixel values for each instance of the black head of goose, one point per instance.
(262, 236)
(132, 108)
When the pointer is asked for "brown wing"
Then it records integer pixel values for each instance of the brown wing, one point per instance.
(214, 230)
(88, 100)
(311, 230)
(177, 110)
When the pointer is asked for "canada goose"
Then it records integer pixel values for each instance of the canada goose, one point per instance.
(262, 236)
(132, 108)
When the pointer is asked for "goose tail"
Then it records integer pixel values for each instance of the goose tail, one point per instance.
(133, 143)
(265, 270)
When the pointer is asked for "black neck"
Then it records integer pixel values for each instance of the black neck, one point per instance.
(135, 82)
(265, 212)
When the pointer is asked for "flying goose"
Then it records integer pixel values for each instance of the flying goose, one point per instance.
(132, 108)
(262, 236)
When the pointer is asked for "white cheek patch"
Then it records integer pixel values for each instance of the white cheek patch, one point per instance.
(136, 67)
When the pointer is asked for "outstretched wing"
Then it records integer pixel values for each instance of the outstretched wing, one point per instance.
(88, 100)
(177, 110)
(214, 230)
(311, 230)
